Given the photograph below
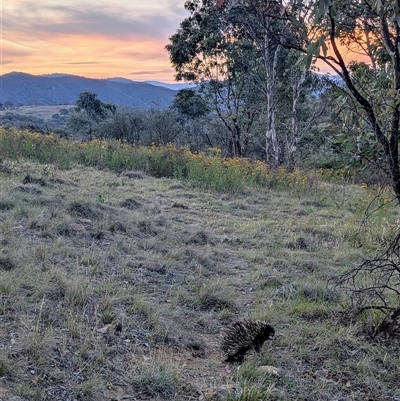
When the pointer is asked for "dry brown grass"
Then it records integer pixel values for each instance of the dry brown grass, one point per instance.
(119, 287)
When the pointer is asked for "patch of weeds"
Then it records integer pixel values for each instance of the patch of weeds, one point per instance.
(84, 210)
(77, 292)
(311, 311)
(216, 296)
(145, 309)
(40, 253)
(106, 309)
(38, 339)
(301, 243)
(286, 291)
(322, 235)
(6, 263)
(117, 226)
(250, 392)
(37, 343)
(130, 204)
(146, 227)
(8, 285)
(100, 198)
(200, 238)
(86, 348)
(318, 292)
(88, 388)
(3, 364)
(20, 212)
(26, 391)
(74, 326)
(6, 228)
(270, 282)
(309, 266)
(7, 167)
(225, 314)
(253, 385)
(6, 204)
(66, 229)
(314, 203)
(27, 189)
(28, 179)
(57, 284)
(156, 380)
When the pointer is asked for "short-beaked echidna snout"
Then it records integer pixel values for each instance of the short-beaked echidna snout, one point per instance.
(245, 335)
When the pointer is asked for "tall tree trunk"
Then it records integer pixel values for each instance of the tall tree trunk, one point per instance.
(298, 78)
(272, 150)
(237, 141)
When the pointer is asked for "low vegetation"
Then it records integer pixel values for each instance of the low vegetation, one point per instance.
(120, 268)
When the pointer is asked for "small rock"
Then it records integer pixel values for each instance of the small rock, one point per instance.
(270, 370)
(106, 329)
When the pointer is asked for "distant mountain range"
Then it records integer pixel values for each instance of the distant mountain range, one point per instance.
(174, 87)
(58, 89)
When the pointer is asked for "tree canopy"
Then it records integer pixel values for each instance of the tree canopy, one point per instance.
(339, 32)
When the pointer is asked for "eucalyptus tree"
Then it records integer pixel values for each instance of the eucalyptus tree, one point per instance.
(336, 32)
(126, 125)
(237, 55)
(88, 112)
(257, 23)
(193, 113)
(208, 50)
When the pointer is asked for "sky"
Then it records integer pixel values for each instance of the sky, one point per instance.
(95, 39)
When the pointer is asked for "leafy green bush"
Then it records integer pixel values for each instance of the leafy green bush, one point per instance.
(207, 171)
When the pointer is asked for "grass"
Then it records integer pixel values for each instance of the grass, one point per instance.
(128, 294)
(44, 112)
(156, 380)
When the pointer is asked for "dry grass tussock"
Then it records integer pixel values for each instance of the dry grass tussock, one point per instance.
(116, 287)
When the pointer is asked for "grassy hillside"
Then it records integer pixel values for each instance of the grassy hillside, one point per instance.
(43, 112)
(118, 285)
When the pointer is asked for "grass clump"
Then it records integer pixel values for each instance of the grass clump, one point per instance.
(216, 296)
(77, 293)
(252, 385)
(156, 380)
(7, 263)
(3, 364)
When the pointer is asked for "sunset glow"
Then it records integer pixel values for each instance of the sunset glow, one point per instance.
(96, 39)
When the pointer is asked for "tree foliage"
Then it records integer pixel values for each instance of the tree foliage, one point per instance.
(239, 68)
(89, 111)
(210, 50)
(337, 32)
(190, 104)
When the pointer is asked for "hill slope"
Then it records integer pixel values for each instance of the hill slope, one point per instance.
(64, 89)
(119, 287)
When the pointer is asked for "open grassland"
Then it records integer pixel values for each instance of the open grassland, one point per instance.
(44, 112)
(117, 285)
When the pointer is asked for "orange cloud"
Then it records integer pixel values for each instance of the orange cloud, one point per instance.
(97, 41)
(95, 57)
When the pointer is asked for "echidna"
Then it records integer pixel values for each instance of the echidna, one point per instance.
(245, 335)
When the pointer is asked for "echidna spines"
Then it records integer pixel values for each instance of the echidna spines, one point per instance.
(244, 335)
